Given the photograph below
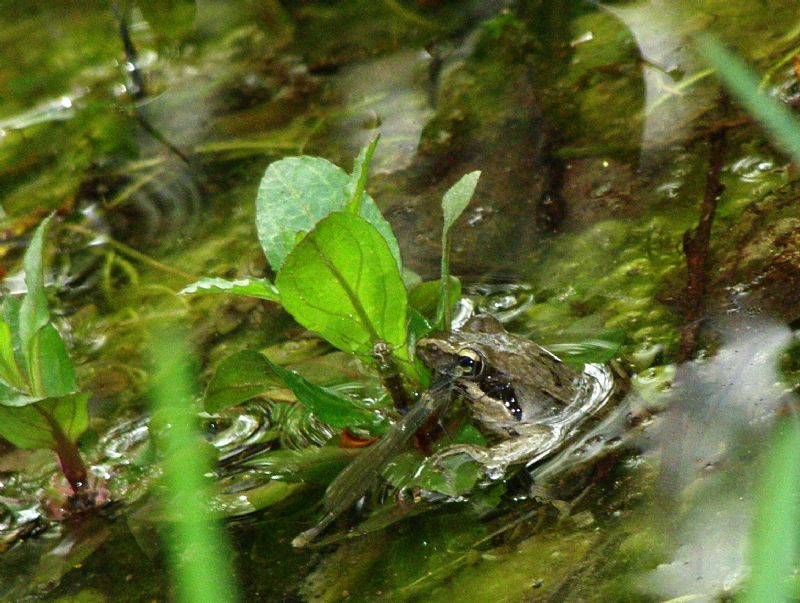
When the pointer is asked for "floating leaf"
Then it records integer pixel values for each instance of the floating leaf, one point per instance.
(42, 425)
(454, 202)
(251, 287)
(298, 192)
(342, 282)
(238, 378)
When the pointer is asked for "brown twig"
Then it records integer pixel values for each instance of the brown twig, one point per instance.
(696, 244)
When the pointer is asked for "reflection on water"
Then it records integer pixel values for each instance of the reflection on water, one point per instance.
(720, 415)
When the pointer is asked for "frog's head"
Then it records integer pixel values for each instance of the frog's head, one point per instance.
(468, 358)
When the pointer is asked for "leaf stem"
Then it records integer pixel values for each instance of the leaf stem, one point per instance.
(69, 457)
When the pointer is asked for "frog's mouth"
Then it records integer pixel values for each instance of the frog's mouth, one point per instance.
(491, 386)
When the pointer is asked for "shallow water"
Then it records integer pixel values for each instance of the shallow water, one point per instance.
(589, 123)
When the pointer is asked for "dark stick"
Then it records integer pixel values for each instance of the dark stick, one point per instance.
(696, 244)
(137, 89)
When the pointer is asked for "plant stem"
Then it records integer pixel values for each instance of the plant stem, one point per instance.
(69, 458)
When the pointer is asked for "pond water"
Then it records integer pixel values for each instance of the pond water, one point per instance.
(593, 125)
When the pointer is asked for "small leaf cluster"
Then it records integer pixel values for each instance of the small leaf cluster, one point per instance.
(40, 402)
(338, 273)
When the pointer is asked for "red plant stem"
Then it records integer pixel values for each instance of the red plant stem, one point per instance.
(69, 458)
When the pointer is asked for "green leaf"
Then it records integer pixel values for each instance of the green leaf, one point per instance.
(10, 396)
(298, 192)
(51, 370)
(358, 180)
(251, 287)
(33, 313)
(342, 282)
(424, 297)
(238, 378)
(454, 202)
(329, 407)
(38, 425)
(10, 373)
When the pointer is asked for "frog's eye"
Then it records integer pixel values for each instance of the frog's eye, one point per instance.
(431, 347)
(470, 362)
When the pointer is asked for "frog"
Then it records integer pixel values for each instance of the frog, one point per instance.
(522, 395)
(518, 391)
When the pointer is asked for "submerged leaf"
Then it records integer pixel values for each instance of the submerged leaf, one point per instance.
(298, 192)
(342, 282)
(329, 407)
(247, 374)
(250, 287)
(239, 377)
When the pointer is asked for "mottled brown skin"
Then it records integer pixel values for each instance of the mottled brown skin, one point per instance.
(520, 382)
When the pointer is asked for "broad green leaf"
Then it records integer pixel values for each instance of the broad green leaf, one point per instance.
(358, 180)
(10, 373)
(33, 313)
(42, 425)
(298, 192)
(453, 204)
(329, 407)
(239, 377)
(51, 371)
(342, 282)
(250, 287)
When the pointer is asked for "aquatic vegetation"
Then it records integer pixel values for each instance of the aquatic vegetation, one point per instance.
(41, 405)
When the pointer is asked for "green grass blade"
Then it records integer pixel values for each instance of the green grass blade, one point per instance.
(743, 86)
(197, 546)
(774, 537)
